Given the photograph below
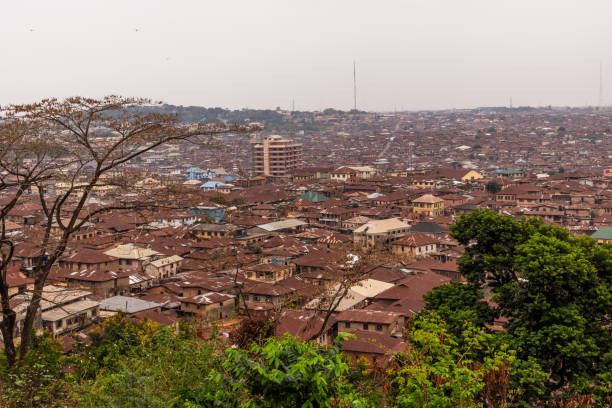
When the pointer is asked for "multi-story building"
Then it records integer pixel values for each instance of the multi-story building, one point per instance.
(380, 232)
(275, 156)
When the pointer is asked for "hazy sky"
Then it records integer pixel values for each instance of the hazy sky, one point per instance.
(410, 54)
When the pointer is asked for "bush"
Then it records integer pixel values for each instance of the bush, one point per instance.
(34, 381)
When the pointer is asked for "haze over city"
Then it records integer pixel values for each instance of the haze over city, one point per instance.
(410, 55)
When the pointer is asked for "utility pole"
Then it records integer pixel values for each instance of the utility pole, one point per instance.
(600, 84)
(354, 86)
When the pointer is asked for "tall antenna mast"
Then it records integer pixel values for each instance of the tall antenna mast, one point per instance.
(600, 84)
(354, 86)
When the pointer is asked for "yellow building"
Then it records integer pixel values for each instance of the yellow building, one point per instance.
(428, 205)
(268, 272)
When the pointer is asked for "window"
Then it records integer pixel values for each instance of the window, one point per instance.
(347, 325)
(379, 327)
(365, 326)
(58, 324)
(256, 298)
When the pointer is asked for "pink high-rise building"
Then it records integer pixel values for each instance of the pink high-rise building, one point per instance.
(275, 156)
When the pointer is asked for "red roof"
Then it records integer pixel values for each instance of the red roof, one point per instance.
(88, 256)
(417, 239)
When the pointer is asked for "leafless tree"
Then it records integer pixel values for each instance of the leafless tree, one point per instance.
(77, 146)
(354, 266)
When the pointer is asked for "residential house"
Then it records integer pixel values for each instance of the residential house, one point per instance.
(378, 349)
(344, 174)
(268, 272)
(66, 310)
(91, 259)
(98, 282)
(164, 267)
(208, 231)
(415, 245)
(380, 232)
(379, 321)
(132, 257)
(210, 305)
(428, 205)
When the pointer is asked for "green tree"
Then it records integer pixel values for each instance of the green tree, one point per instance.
(289, 373)
(491, 240)
(459, 304)
(555, 291)
(559, 311)
(493, 187)
(139, 364)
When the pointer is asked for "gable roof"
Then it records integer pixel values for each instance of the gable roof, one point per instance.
(313, 197)
(127, 304)
(382, 226)
(416, 239)
(603, 233)
(89, 256)
(131, 251)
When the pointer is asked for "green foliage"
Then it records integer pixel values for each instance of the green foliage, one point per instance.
(137, 364)
(493, 187)
(556, 292)
(292, 374)
(459, 304)
(491, 240)
(438, 371)
(557, 309)
(114, 338)
(257, 250)
(35, 380)
(142, 365)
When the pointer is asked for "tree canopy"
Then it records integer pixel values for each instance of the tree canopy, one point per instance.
(554, 291)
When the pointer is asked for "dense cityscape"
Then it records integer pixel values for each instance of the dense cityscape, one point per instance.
(337, 204)
(350, 226)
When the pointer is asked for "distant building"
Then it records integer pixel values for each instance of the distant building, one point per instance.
(275, 156)
(195, 173)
